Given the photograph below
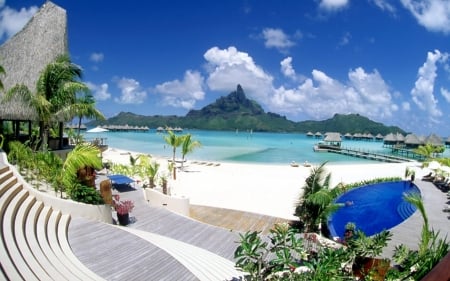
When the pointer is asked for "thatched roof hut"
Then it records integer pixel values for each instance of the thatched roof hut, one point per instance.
(434, 140)
(379, 136)
(412, 141)
(333, 139)
(348, 136)
(28, 52)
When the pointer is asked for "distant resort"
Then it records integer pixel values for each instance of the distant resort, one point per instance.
(402, 147)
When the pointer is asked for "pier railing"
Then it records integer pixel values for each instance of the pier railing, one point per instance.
(367, 154)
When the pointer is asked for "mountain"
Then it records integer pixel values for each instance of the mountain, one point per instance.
(236, 111)
(350, 123)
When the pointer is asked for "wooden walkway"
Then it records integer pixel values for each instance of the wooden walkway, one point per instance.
(369, 155)
(234, 220)
(116, 254)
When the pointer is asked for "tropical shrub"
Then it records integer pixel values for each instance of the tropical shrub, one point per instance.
(261, 259)
(85, 194)
(415, 264)
(316, 201)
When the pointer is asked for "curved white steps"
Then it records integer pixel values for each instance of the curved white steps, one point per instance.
(205, 265)
(34, 243)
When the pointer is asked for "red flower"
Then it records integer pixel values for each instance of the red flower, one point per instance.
(122, 207)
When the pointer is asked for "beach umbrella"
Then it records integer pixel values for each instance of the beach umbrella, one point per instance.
(97, 130)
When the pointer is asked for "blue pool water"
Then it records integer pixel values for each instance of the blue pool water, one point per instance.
(373, 208)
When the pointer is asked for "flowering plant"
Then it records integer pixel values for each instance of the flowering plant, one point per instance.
(122, 207)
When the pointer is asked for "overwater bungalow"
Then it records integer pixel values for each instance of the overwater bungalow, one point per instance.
(318, 135)
(379, 137)
(309, 134)
(331, 140)
(434, 140)
(392, 140)
(412, 141)
(348, 136)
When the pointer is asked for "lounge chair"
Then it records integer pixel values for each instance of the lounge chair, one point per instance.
(428, 177)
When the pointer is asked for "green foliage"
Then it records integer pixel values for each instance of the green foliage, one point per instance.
(365, 246)
(415, 264)
(83, 155)
(85, 194)
(316, 202)
(428, 150)
(260, 259)
(327, 265)
(188, 146)
(349, 186)
(235, 111)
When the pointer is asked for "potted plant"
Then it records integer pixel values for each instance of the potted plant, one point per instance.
(366, 251)
(123, 209)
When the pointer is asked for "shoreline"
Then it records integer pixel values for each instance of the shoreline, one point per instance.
(268, 189)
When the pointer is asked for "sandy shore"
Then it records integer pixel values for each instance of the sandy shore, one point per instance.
(266, 189)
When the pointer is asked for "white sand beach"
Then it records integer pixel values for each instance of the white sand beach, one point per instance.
(265, 189)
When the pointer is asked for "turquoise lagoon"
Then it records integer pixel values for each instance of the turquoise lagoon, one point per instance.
(243, 147)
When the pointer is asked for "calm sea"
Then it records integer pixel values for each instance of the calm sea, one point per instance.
(244, 147)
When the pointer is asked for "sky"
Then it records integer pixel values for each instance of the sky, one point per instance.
(387, 60)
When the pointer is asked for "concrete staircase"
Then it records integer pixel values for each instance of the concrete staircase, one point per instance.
(34, 243)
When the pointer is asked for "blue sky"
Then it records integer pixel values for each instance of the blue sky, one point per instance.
(307, 60)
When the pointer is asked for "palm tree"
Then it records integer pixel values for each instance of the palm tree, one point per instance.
(83, 155)
(58, 84)
(56, 90)
(84, 106)
(188, 146)
(316, 202)
(174, 141)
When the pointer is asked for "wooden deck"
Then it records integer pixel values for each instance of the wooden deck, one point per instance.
(234, 220)
(116, 254)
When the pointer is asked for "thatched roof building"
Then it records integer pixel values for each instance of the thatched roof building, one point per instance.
(412, 141)
(434, 140)
(28, 52)
(333, 139)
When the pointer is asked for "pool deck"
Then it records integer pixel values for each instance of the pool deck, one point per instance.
(408, 232)
(115, 254)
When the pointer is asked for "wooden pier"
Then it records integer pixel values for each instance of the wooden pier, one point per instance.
(366, 154)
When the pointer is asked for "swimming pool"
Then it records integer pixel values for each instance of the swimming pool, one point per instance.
(373, 208)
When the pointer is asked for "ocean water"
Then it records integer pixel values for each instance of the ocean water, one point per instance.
(243, 147)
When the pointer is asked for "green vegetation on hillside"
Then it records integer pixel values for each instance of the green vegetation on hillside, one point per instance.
(236, 111)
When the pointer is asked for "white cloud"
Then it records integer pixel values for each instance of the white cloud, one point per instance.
(317, 97)
(321, 96)
(423, 91)
(96, 57)
(229, 67)
(287, 69)
(434, 15)
(12, 21)
(131, 92)
(183, 93)
(446, 94)
(384, 5)
(332, 5)
(406, 106)
(345, 39)
(100, 92)
(276, 38)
